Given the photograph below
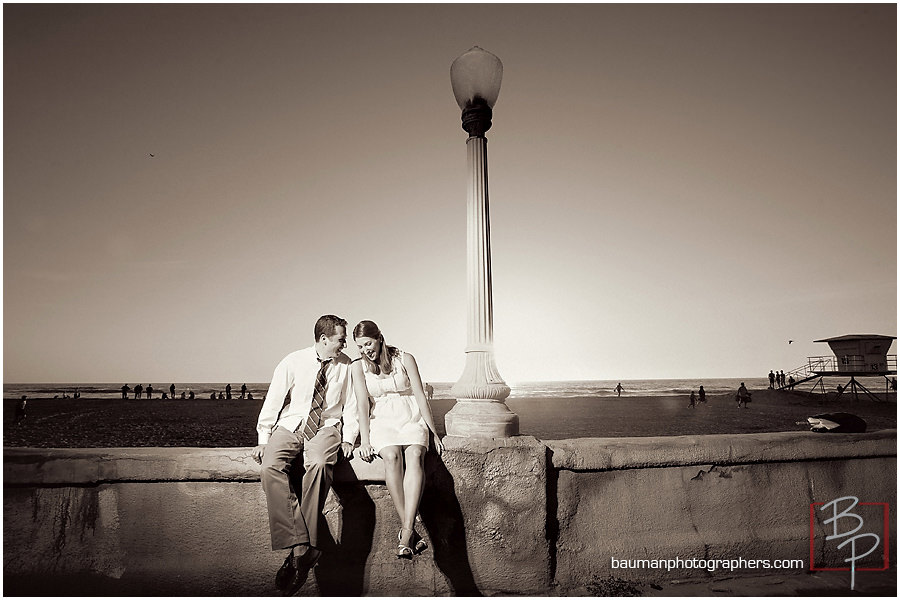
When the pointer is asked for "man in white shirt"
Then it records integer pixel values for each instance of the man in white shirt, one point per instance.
(320, 420)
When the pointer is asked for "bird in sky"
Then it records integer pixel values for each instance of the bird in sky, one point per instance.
(152, 155)
(789, 341)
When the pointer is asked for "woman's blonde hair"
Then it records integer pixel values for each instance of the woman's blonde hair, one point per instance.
(386, 354)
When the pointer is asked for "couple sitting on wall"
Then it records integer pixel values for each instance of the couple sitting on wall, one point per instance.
(332, 399)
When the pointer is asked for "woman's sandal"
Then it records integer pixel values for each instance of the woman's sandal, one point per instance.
(403, 551)
(419, 545)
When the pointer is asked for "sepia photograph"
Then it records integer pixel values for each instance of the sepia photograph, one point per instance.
(276, 323)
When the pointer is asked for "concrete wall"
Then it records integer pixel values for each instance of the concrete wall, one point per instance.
(514, 516)
(710, 497)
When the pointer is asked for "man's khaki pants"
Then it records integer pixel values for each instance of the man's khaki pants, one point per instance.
(293, 521)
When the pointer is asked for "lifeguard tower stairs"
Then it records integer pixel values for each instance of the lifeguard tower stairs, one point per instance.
(856, 355)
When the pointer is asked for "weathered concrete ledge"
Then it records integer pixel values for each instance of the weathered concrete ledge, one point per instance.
(88, 466)
(91, 466)
(601, 454)
(515, 516)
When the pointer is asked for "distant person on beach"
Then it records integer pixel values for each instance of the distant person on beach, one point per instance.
(149, 391)
(702, 395)
(228, 391)
(249, 396)
(165, 396)
(791, 382)
(743, 396)
(771, 380)
(429, 391)
(190, 394)
(183, 395)
(125, 390)
(20, 411)
(693, 402)
(221, 396)
(243, 390)
(212, 396)
(619, 389)
(137, 391)
(320, 422)
(172, 391)
(396, 425)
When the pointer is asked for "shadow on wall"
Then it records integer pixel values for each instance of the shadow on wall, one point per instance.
(342, 570)
(443, 519)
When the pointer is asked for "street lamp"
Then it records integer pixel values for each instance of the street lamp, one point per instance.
(479, 410)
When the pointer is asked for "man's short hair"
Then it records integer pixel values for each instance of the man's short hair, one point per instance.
(327, 324)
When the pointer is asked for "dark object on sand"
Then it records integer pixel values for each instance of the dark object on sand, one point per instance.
(837, 423)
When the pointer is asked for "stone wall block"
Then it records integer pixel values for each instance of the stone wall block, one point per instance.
(502, 489)
(757, 511)
(67, 529)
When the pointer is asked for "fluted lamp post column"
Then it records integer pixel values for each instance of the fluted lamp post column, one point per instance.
(480, 410)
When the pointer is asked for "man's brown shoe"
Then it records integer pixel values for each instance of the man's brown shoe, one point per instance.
(285, 574)
(302, 566)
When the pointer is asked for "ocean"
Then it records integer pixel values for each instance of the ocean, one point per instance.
(556, 389)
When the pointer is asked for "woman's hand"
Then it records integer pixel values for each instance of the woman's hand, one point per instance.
(366, 452)
(438, 445)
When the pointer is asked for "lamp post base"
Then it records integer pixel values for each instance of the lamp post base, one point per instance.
(481, 418)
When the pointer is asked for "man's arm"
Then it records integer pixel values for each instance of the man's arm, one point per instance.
(278, 389)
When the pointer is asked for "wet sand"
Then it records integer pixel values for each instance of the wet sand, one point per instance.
(87, 423)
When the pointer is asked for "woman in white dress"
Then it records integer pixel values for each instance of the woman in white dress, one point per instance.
(395, 425)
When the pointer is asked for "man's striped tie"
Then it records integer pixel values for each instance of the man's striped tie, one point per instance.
(314, 420)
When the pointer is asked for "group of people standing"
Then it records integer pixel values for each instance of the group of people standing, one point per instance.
(140, 389)
(777, 379)
(187, 394)
(226, 395)
(320, 401)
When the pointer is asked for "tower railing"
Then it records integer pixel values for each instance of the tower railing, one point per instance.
(850, 364)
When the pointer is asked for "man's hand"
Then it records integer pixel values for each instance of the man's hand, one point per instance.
(347, 449)
(257, 453)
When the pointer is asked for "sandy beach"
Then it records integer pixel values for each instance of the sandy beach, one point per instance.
(88, 423)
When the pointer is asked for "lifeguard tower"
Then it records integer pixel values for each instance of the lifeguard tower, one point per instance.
(856, 355)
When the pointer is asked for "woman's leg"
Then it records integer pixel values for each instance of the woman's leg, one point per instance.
(393, 476)
(413, 483)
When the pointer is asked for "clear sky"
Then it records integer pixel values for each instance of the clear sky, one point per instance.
(676, 191)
